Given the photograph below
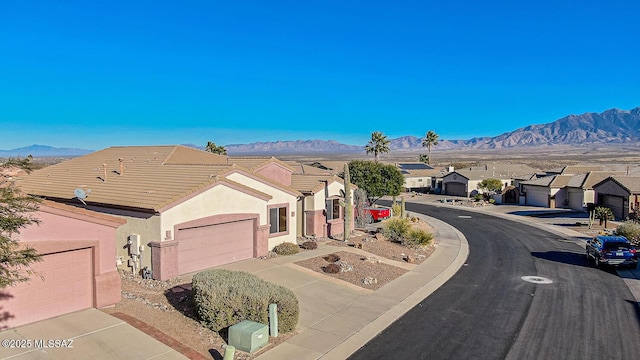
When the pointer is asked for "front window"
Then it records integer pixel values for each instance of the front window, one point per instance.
(333, 209)
(278, 220)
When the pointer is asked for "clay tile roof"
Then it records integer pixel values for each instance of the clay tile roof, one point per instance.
(255, 163)
(152, 178)
(311, 184)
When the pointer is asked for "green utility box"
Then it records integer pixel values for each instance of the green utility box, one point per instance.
(248, 336)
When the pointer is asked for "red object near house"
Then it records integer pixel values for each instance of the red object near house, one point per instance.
(379, 213)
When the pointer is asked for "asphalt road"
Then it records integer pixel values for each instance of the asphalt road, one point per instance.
(486, 311)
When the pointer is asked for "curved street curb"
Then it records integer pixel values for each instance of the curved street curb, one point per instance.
(451, 254)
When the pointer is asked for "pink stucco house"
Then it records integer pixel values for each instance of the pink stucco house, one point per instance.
(77, 270)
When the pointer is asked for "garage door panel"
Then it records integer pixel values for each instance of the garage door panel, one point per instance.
(456, 189)
(67, 287)
(213, 245)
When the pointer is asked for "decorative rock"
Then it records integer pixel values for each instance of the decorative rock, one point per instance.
(369, 281)
(345, 267)
(409, 259)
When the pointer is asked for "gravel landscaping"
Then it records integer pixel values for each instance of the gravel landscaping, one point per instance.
(166, 307)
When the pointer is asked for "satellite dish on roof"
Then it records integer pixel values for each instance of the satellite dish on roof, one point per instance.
(81, 194)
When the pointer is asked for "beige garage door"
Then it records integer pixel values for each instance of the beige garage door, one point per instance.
(67, 287)
(203, 247)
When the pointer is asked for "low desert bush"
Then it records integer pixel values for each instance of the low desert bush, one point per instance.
(223, 298)
(397, 229)
(631, 230)
(332, 258)
(286, 249)
(332, 268)
(309, 245)
(418, 237)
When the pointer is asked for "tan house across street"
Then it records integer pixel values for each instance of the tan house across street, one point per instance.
(621, 194)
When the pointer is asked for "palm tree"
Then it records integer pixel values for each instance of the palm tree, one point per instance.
(430, 139)
(379, 144)
(213, 148)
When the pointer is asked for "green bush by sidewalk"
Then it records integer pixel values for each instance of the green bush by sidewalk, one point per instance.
(223, 298)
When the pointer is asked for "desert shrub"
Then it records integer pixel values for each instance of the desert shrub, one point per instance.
(397, 229)
(631, 230)
(478, 197)
(419, 237)
(332, 258)
(309, 245)
(223, 298)
(286, 249)
(492, 201)
(332, 268)
(396, 209)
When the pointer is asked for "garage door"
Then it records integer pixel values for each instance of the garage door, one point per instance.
(537, 197)
(203, 247)
(67, 287)
(616, 204)
(456, 189)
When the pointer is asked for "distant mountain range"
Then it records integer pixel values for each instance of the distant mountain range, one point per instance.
(613, 126)
(43, 150)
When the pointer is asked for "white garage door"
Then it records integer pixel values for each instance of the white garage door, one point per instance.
(537, 197)
(203, 247)
(67, 287)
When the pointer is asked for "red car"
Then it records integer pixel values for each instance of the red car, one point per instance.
(379, 213)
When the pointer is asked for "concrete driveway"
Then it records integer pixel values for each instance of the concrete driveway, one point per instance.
(86, 334)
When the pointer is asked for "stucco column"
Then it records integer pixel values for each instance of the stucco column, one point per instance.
(107, 289)
(164, 259)
(262, 241)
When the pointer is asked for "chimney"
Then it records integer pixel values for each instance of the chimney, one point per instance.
(121, 166)
(104, 172)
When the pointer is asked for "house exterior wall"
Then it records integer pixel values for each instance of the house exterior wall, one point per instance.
(148, 227)
(576, 198)
(276, 172)
(215, 201)
(610, 187)
(559, 196)
(278, 197)
(417, 182)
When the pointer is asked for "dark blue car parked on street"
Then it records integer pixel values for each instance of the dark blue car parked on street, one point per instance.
(611, 250)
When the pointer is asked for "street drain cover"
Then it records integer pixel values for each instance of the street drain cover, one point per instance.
(537, 279)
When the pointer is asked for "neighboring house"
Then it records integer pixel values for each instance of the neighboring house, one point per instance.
(546, 191)
(320, 204)
(464, 182)
(321, 214)
(186, 209)
(621, 194)
(580, 189)
(78, 266)
(418, 177)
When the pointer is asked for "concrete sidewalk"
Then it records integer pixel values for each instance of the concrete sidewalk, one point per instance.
(92, 335)
(337, 318)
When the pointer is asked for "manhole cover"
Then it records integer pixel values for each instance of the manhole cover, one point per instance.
(537, 279)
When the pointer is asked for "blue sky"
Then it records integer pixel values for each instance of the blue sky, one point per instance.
(103, 73)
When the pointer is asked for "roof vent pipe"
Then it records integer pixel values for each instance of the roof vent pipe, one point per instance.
(121, 166)
(104, 172)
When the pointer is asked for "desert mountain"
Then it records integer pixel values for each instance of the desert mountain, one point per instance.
(611, 126)
(43, 150)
